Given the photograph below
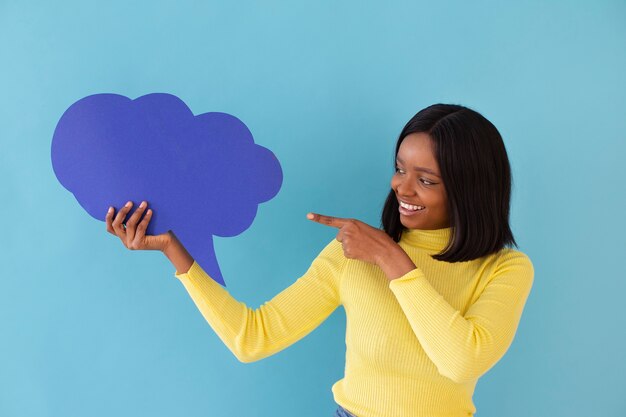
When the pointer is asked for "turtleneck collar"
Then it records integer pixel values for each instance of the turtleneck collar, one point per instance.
(433, 241)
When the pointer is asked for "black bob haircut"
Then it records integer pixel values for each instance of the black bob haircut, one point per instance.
(476, 174)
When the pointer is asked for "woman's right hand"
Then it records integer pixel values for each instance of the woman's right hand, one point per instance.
(132, 232)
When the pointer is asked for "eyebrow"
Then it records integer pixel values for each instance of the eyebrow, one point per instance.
(430, 171)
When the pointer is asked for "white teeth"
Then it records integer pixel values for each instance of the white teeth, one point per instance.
(410, 206)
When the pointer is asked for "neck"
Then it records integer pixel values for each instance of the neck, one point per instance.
(431, 240)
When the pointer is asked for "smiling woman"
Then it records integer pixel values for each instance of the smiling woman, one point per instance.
(432, 302)
(452, 161)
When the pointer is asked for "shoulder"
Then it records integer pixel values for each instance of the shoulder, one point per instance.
(509, 261)
(510, 255)
(332, 254)
(333, 249)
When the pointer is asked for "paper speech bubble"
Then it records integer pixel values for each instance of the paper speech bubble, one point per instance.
(202, 175)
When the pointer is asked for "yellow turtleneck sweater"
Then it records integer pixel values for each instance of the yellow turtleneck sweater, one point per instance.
(415, 346)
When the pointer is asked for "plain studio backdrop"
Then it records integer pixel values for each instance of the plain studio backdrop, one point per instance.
(89, 328)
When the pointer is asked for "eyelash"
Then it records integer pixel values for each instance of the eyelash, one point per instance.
(424, 181)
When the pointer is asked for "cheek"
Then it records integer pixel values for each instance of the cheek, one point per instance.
(434, 199)
(442, 203)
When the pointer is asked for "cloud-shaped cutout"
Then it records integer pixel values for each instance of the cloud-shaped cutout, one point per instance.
(202, 175)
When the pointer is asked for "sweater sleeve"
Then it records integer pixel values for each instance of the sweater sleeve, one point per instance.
(464, 347)
(288, 317)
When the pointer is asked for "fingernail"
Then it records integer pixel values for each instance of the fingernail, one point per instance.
(128, 204)
(110, 209)
(310, 216)
(143, 204)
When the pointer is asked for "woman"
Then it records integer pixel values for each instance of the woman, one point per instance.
(432, 302)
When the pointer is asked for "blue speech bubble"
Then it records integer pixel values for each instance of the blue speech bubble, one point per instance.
(202, 175)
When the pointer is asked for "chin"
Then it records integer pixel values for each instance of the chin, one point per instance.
(423, 224)
(412, 224)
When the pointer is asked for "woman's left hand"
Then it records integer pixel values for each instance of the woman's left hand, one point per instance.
(366, 243)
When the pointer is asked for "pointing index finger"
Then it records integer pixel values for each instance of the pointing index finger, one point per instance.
(327, 220)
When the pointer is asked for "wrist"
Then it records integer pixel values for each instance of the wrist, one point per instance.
(394, 261)
(177, 254)
(166, 247)
(389, 251)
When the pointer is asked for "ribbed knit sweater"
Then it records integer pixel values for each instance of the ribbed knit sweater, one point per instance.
(415, 346)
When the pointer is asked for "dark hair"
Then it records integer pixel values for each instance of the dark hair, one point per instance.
(476, 173)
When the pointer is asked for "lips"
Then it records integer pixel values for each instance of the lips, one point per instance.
(408, 206)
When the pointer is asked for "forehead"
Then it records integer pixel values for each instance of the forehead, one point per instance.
(417, 149)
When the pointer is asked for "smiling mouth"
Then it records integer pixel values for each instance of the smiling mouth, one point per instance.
(410, 207)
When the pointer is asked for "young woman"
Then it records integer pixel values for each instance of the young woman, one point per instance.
(432, 301)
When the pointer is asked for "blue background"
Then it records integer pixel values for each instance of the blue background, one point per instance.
(90, 328)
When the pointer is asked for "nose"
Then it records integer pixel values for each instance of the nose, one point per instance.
(404, 189)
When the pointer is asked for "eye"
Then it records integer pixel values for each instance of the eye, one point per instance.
(422, 180)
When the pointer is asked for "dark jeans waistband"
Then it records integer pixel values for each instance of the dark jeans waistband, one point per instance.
(342, 412)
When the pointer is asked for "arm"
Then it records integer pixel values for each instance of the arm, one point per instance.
(464, 347)
(250, 334)
(255, 334)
